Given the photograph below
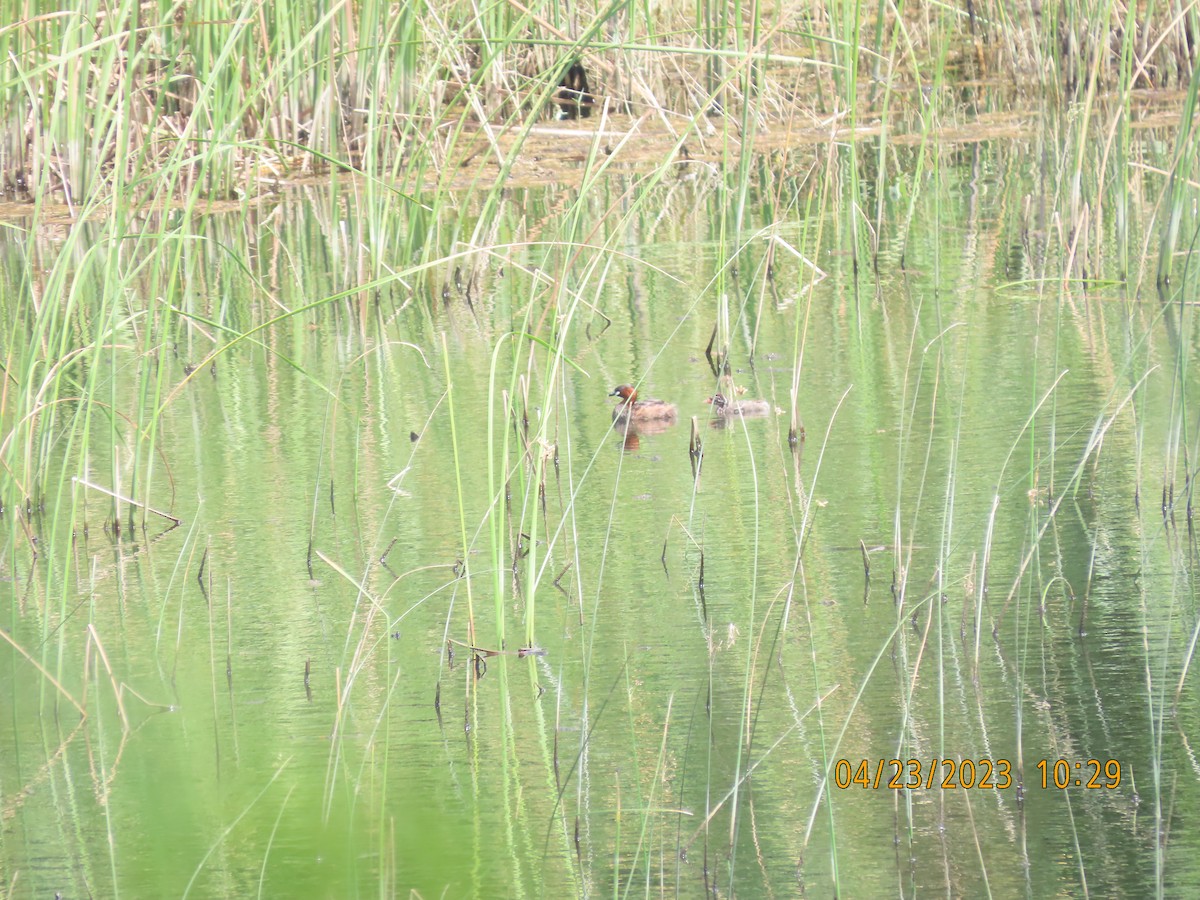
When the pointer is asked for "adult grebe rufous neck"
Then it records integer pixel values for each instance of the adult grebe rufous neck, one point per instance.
(631, 409)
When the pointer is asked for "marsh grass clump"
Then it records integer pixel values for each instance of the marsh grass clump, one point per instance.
(228, 100)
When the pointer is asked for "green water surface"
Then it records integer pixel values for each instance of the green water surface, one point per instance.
(996, 436)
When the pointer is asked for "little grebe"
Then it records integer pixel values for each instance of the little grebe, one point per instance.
(732, 408)
(631, 409)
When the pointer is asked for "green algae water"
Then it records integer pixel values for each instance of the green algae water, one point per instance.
(429, 624)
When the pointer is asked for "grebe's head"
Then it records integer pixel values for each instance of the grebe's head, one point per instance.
(718, 401)
(625, 392)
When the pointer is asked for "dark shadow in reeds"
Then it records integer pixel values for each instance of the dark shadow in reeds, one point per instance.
(574, 97)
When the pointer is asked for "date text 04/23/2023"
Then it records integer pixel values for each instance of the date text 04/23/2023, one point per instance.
(951, 774)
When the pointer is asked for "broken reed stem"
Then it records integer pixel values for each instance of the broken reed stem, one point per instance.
(93, 637)
(130, 500)
(54, 681)
(695, 448)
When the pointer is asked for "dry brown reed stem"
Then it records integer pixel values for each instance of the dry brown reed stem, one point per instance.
(128, 500)
(119, 687)
(695, 448)
(54, 681)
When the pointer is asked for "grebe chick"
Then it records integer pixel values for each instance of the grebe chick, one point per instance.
(631, 409)
(730, 409)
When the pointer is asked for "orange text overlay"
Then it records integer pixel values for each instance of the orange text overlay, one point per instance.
(914, 774)
(953, 774)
